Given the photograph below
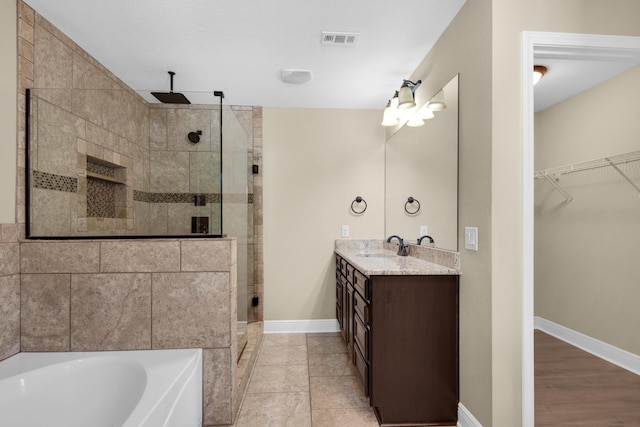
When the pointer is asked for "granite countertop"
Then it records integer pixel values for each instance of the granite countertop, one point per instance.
(373, 259)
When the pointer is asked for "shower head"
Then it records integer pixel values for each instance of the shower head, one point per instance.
(171, 97)
(194, 136)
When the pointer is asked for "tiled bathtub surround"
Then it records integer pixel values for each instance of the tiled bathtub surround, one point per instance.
(128, 295)
(9, 291)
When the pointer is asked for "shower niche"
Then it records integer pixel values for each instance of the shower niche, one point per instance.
(106, 189)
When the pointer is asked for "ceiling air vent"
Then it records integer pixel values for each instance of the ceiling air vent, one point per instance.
(339, 39)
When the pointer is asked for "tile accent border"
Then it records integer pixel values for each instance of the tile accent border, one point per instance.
(50, 181)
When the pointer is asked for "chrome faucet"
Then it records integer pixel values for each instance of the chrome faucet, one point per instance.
(402, 248)
(425, 237)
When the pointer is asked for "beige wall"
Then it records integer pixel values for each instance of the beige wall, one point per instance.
(510, 18)
(465, 48)
(586, 266)
(316, 161)
(8, 89)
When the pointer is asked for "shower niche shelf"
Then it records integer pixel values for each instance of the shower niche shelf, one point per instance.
(105, 178)
(106, 171)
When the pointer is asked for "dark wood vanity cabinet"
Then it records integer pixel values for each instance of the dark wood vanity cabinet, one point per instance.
(402, 332)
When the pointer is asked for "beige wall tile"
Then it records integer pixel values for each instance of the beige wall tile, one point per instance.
(57, 135)
(169, 171)
(191, 310)
(181, 121)
(158, 129)
(59, 257)
(9, 315)
(110, 312)
(140, 256)
(217, 372)
(9, 259)
(44, 313)
(209, 255)
(53, 59)
(51, 212)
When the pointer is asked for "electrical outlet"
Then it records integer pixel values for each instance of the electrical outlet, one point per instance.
(424, 230)
(471, 238)
(344, 231)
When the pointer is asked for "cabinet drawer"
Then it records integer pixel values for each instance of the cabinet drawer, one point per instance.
(342, 279)
(361, 283)
(361, 307)
(341, 265)
(349, 273)
(361, 336)
(362, 368)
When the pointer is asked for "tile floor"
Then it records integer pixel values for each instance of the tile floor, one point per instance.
(304, 380)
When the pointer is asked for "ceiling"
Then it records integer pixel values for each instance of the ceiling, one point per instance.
(240, 47)
(571, 70)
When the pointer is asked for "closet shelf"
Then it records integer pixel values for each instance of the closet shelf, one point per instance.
(552, 175)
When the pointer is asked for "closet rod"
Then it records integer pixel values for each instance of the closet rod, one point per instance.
(552, 175)
(633, 156)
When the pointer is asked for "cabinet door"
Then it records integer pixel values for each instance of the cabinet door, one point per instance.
(414, 349)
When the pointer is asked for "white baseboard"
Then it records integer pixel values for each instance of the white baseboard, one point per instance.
(301, 326)
(615, 355)
(466, 418)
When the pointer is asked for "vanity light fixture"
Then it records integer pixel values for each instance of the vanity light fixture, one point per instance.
(389, 117)
(401, 105)
(406, 97)
(538, 72)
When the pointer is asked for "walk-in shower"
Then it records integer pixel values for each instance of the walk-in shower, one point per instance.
(104, 163)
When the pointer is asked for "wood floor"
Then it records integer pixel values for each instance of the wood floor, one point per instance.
(575, 388)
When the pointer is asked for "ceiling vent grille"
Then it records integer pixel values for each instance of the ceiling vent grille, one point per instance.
(330, 38)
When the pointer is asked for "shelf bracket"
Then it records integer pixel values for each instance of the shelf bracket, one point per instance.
(613, 165)
(554, 184)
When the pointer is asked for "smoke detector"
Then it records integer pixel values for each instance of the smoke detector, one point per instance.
(295, 76)
(332, 38)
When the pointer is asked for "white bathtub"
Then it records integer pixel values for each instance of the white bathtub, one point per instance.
(157, 388)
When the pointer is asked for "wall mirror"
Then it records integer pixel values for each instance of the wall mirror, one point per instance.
(422, 164)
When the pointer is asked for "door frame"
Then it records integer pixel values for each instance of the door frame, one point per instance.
(530, 41)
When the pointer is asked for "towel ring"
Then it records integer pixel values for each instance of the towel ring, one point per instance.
(411, 201)
(358, 200)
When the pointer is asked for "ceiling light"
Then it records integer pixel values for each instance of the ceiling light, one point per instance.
(538, 72)
(295, 76)
(406, 94)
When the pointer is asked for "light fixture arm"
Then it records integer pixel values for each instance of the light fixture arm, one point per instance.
(411, 85)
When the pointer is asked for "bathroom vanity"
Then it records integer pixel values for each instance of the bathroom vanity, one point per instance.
(399, 317)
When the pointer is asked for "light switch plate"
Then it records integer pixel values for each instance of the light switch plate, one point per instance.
(424, 230)
(344, 231)
(471, 238)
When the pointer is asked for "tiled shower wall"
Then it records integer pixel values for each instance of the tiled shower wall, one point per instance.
(9, 291)
(87, 95)
(80, 110)
(133, 295)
